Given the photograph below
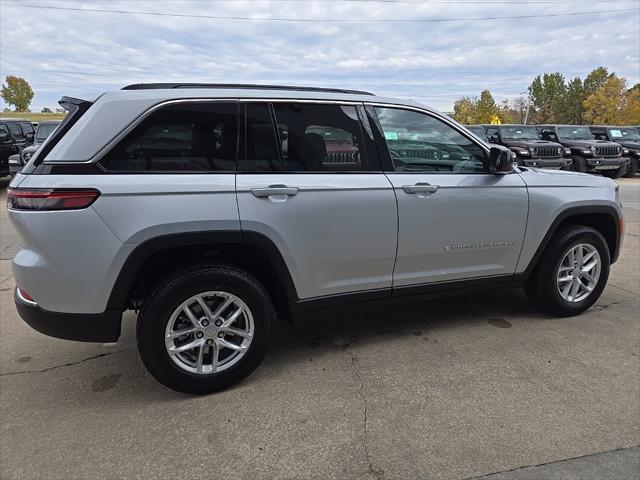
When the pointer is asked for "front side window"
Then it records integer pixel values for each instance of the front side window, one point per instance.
(182, 137)
(15, 130)
(320, 138)
(27, 128)
(44, 130)
(421, 143)
(492, 133)
(4, 133)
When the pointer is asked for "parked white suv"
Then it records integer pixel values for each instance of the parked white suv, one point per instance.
(210, 209)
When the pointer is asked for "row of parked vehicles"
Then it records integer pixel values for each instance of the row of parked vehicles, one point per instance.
(610, 150)
(19, 139)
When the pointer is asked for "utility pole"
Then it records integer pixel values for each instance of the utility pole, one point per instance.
(526, 115)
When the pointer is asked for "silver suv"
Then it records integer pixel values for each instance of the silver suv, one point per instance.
(213, 209)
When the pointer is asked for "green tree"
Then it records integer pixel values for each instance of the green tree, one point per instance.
(547, 97)
(630, 112)
(486, 108)
(607, 104)
(464, 110)
(573, 108)
(595, 80)
(17, 92)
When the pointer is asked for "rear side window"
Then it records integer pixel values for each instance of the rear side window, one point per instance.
(182, 137)
(27, 128)
(261, 151)
(15, 130)
(320, 138)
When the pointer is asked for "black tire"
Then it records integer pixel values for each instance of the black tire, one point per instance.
(160, 305)
(579, 164)
(541, 287)
(615, 173)
(633, 168)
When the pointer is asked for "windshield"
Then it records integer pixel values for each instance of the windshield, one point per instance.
(44, 130)
(629, 134)
(519, 133)
(574, 133)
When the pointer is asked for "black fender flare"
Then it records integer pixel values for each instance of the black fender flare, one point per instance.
(570, 212)
(135, 260)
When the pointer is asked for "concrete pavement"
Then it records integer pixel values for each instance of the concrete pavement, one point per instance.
(455, 388)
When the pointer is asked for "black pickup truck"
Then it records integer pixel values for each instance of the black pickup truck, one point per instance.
(588, 154)
(628, 137)
(530, 150)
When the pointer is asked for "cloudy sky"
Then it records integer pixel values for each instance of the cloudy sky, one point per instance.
(403, 48)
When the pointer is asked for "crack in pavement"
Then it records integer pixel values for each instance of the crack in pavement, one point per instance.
(378, 474)
(55, 367)
(549, 463)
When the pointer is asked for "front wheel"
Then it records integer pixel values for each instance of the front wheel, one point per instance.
(633, 167)
(615, 173)
(205, 329)
(579, 164)
(572, 273)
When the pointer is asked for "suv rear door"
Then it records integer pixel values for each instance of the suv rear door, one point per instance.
(313, 184)
(455, 220)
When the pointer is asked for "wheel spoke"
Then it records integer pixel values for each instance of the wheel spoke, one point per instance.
(589, 267)
(179, 333)
(214, 358)
(574, 290)
(587, 276)
(580, 255)
(235, 331)
(232, 346)
(190, 315)
(205, 308)
(232, 318)
(568, 278)
(589, 256)
(183, 348)
(199, 366)
(572, 257)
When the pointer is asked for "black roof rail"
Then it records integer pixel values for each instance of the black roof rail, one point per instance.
(233, 86)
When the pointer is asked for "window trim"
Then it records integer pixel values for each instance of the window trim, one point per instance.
(133, 125)
(388, 162)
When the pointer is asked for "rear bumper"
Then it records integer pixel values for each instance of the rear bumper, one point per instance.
(82, 327)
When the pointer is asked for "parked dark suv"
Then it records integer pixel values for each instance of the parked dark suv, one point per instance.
(530, 150)
(18, 160)
(15, 134)
(478, 131)
(588, 154)
(628, 137)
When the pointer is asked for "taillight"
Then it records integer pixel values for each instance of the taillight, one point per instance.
(50, 198)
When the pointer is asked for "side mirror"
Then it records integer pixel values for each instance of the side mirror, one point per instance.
(500, 161)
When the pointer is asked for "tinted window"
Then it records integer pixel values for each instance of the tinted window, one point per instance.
(421, 143)
(492, 133)
(44, 130)
(27, 127)
(548, 134)
(4, 131)
(261, 145)
(320, 138)
(14, 128)
(181, 137)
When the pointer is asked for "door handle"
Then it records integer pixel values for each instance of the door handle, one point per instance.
(420, 188)
(274, 190)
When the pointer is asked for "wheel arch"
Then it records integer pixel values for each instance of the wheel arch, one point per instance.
(603, 218)
(157, 258)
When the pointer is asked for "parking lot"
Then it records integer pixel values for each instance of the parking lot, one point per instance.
(455, 388)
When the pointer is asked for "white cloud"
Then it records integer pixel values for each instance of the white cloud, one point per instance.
(62, 52)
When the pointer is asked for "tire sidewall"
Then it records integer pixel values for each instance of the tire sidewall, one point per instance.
(550, 276)
(579, 164)
(153, 321)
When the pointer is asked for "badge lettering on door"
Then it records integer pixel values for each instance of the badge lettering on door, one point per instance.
(481, 245)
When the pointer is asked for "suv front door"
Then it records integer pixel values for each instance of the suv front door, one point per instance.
(310, 180)
(455, 220)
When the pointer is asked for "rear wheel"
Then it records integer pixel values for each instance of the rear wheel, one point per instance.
(572, 273)
(633, 167)
(579, 164)
(205, 329)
